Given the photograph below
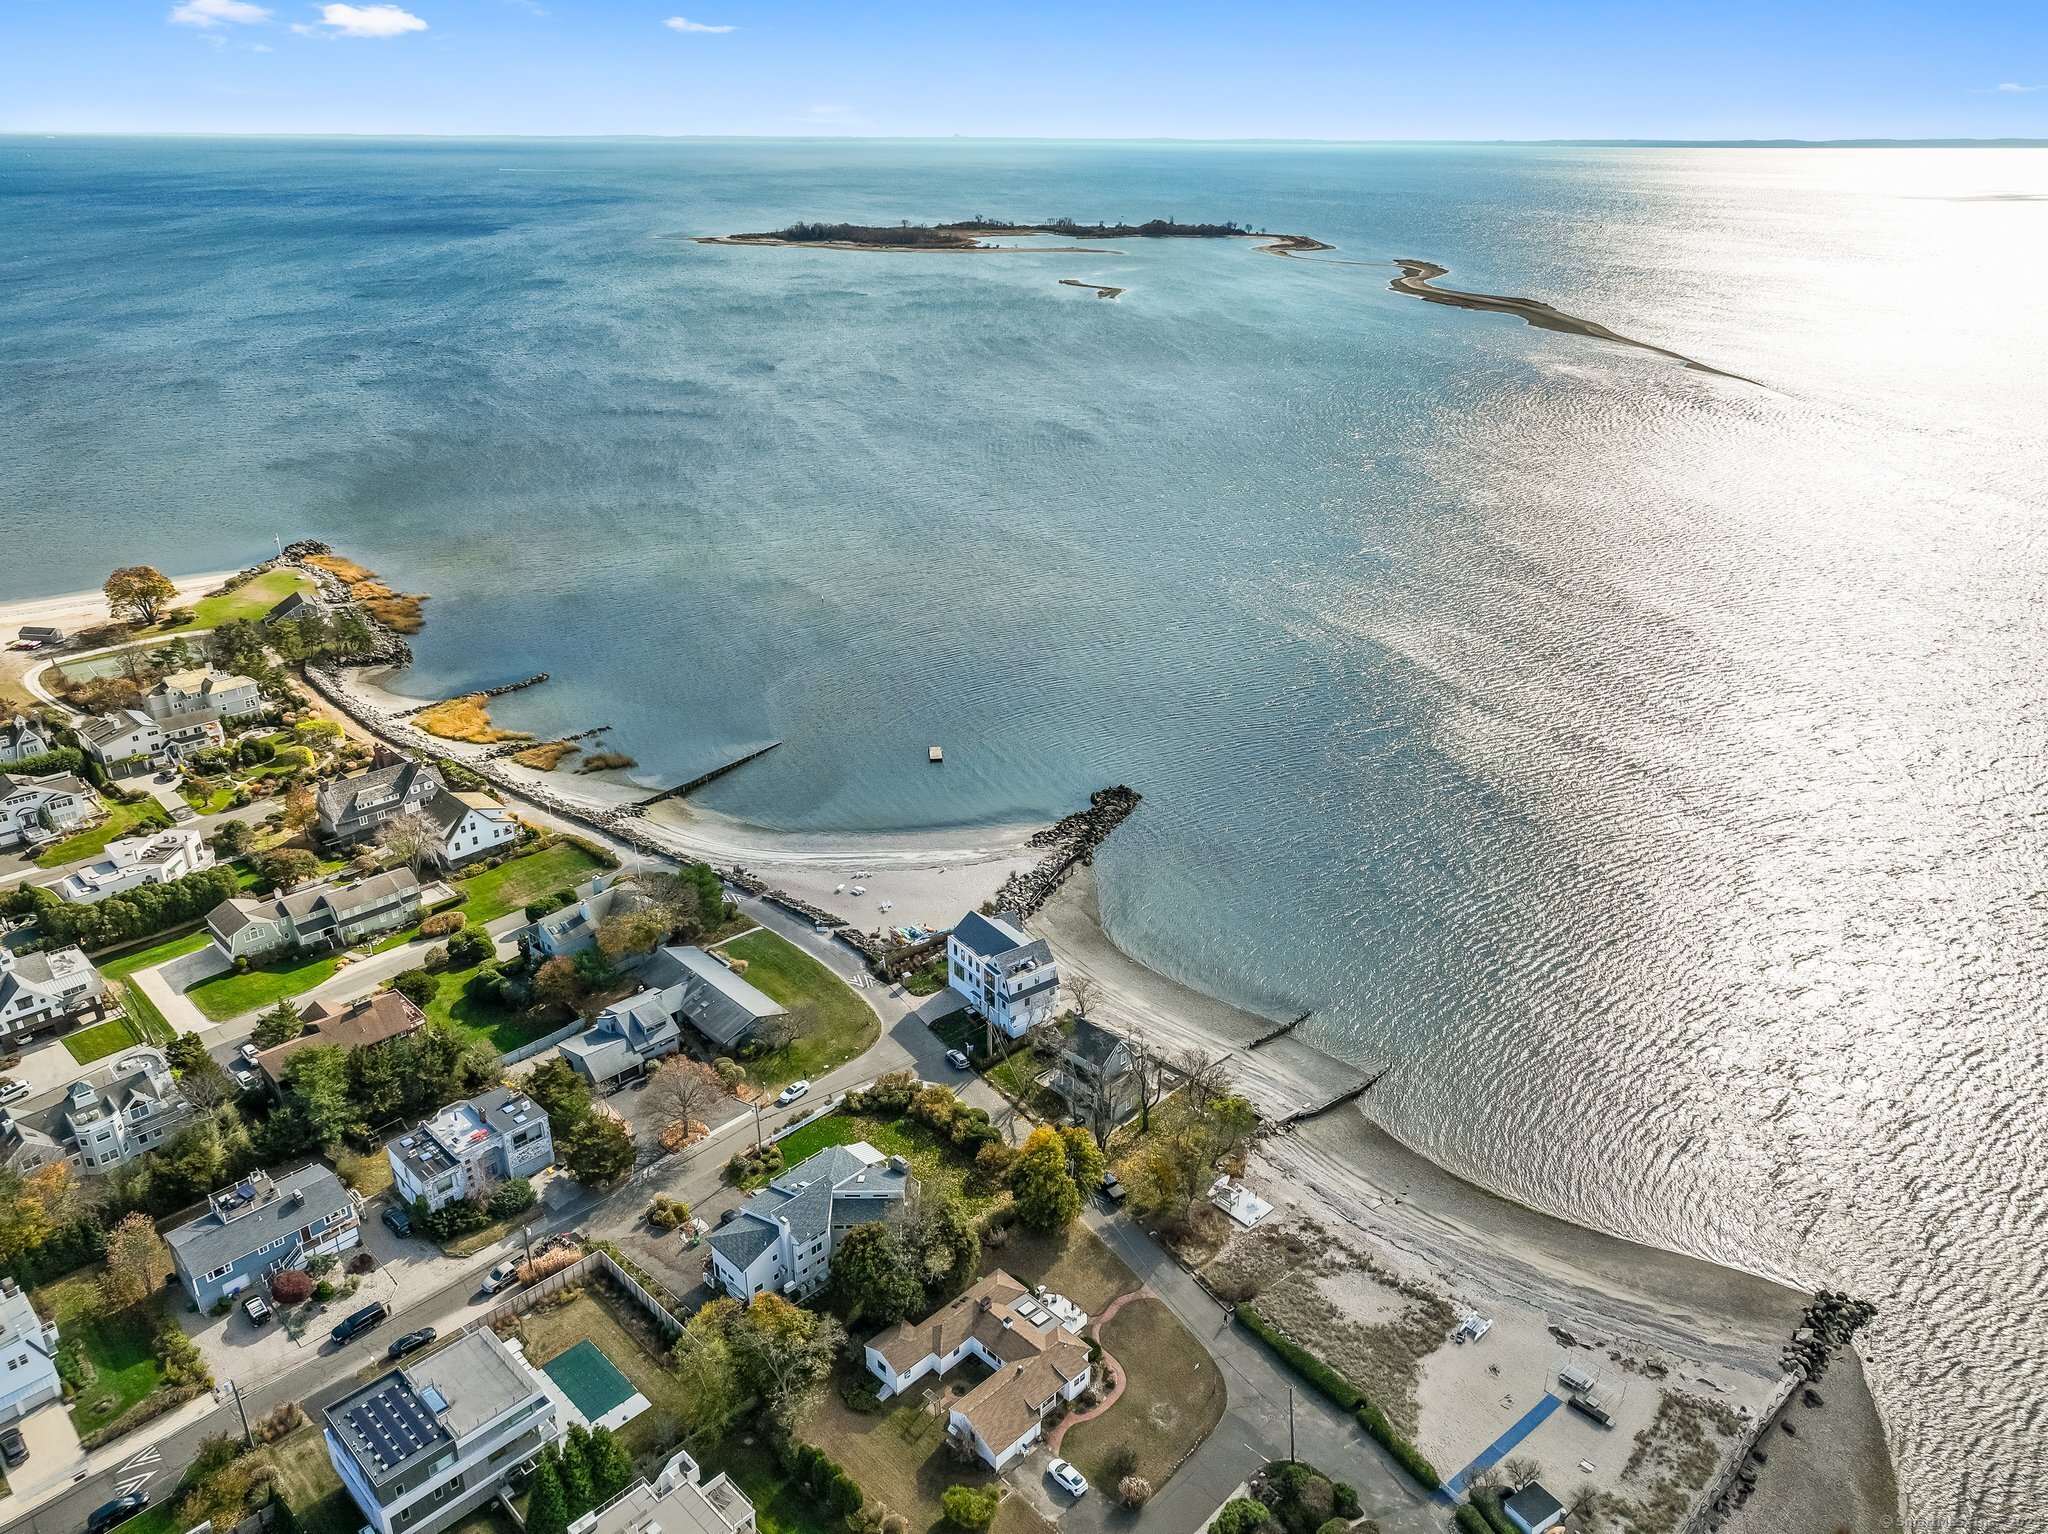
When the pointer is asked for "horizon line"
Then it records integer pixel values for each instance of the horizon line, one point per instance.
(961, 138)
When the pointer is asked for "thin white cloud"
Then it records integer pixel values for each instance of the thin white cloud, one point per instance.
(362, 21)
(216, 13)
(2017, 90)
(684, 24)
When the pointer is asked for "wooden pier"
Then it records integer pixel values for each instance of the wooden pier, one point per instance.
(1350, 1094)
(709, 777)
(1282, 1031)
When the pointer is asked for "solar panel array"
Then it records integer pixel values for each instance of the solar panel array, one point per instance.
(393, 1425)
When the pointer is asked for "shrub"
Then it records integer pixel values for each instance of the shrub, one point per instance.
(416, 986)
(666, 1213)
(1120, 1462)
(1336, 1526)
(443, 924)
(470, 946)
(1134, 1491)
(511, 1197)
(1469, 1520)
(1345, 1498)
(292, 1286)
(323, 1291)
(1241, 1515)
(970, 1507)
(362, 1262)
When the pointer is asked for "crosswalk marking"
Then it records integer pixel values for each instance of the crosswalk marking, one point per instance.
(149, 1456)
(134, 1483)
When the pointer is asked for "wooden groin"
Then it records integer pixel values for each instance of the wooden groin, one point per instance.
(1282, 1031)
(513, 748)
(1350, 1094)
(488, 692)
(703, 778)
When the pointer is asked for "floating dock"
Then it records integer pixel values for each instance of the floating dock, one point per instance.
(936, 754)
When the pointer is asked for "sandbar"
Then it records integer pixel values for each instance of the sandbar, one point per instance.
(1416, 277)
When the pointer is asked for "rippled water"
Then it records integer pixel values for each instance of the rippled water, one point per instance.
(1648, 764)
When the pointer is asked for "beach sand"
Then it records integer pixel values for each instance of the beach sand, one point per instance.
(71, 612)
(1835, 1474)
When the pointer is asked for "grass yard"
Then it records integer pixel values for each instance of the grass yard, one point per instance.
(250, 600)
(620, 1333)
(836, 1024)
(1173, 1397)
(162, 951)
(941, 1170)
(779, 1506)
(485, 1019)
(507, 888)
(116, 1347)
(122, 820)
(309, 1486)
(103, 1039)
(228, 995)
(215, 801)
(900, 1456)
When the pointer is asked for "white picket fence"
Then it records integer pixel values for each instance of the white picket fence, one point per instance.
(541, 1045)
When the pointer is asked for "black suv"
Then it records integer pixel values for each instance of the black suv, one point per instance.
(120, 1510)
(364, 1319)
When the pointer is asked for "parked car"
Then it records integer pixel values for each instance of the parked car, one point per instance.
(13, 1447)
(120, 1510)
(244, 1078)
(399, 1222)
(369, 1317)
(247, 1052)
(167, 776)
(10, 1090)
(256, 1308)
(1069, 1479)
(791, 1093)
(503, 1276)
(1113, 1188)
(957, 1059)
(411, 1342)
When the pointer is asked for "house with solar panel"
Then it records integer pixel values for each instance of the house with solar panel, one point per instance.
(780, 1241)
(470, 1147)
(422, 1446)
(262, 1226)
(1006, 976)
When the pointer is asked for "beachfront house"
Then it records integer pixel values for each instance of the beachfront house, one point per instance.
(47, 990)
(468, 826)
(573, 928)
(22, 738)
(327, 916)
(699, 989)
(781, 1240)
(297, 604)
(134, 861)
(1031, 1344)
(37, 810)
(260, 1226)
(1532, 1509)
(470, 1147)
(423, 1446)
(28, 1345)
(1006, 976)
(203, 692)
(355, 809)
(344, 1025)
(678, 1501)
(1097, 1075)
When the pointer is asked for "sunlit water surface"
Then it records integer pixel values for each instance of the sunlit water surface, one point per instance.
(1649, 765)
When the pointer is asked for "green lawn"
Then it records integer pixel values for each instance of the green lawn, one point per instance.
(122, 820)
(837, 1025)
(507, 1030)
(215, 802)
(780, 1505)
(251, 599)
(124, 1368)
(230, 995)
(507, 888)
(149, 1021)
(1172, 1400)
(627, 1338)
(162, 951)
(103, 1039)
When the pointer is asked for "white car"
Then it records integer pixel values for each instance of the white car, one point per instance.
(957, 1059)
(791, 1093)
(248, 1052)
(1069, 1479)
(503, 1276)
(244, 1078)
(10, 1090)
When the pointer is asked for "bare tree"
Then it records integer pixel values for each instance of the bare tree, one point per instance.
(411, 837)
(684, 1092)
(1201, 1074)
(1082, 991)
(1149, 1066)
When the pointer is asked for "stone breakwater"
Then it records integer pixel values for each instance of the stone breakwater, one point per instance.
(487, 693)
(390, 649)
(1072, 843)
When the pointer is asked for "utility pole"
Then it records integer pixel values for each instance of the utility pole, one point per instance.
(1290, 1424)
(526, 1231)
(248, 1437)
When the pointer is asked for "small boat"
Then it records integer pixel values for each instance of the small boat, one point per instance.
(937, 754)
(838, 889)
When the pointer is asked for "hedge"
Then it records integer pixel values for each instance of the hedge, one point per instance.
(59, 759)
(1469, 1520)
(1491, 1513)
(1346, 1395)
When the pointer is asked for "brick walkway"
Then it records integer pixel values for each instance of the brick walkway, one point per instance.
(1122, 1376)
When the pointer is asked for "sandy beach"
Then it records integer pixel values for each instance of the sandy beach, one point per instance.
(71, 612)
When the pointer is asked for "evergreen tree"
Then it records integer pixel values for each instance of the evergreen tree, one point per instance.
(577, 1483)
(547, 1509)
(611, 1469)
(1047, 1196)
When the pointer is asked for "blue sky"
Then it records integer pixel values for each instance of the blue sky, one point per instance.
(1484, 69)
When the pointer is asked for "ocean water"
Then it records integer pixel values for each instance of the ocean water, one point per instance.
(1647, 765)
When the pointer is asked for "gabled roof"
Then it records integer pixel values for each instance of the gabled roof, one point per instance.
(1532, 1504)
(1093, 1043)
(721, 1005)
(988, 936)
(352, 1025)
(52, 783)
(374, 792)
(210, 1242)
(979, 1313)
(804, 1197)
(102, 728)
(1006, 1405)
